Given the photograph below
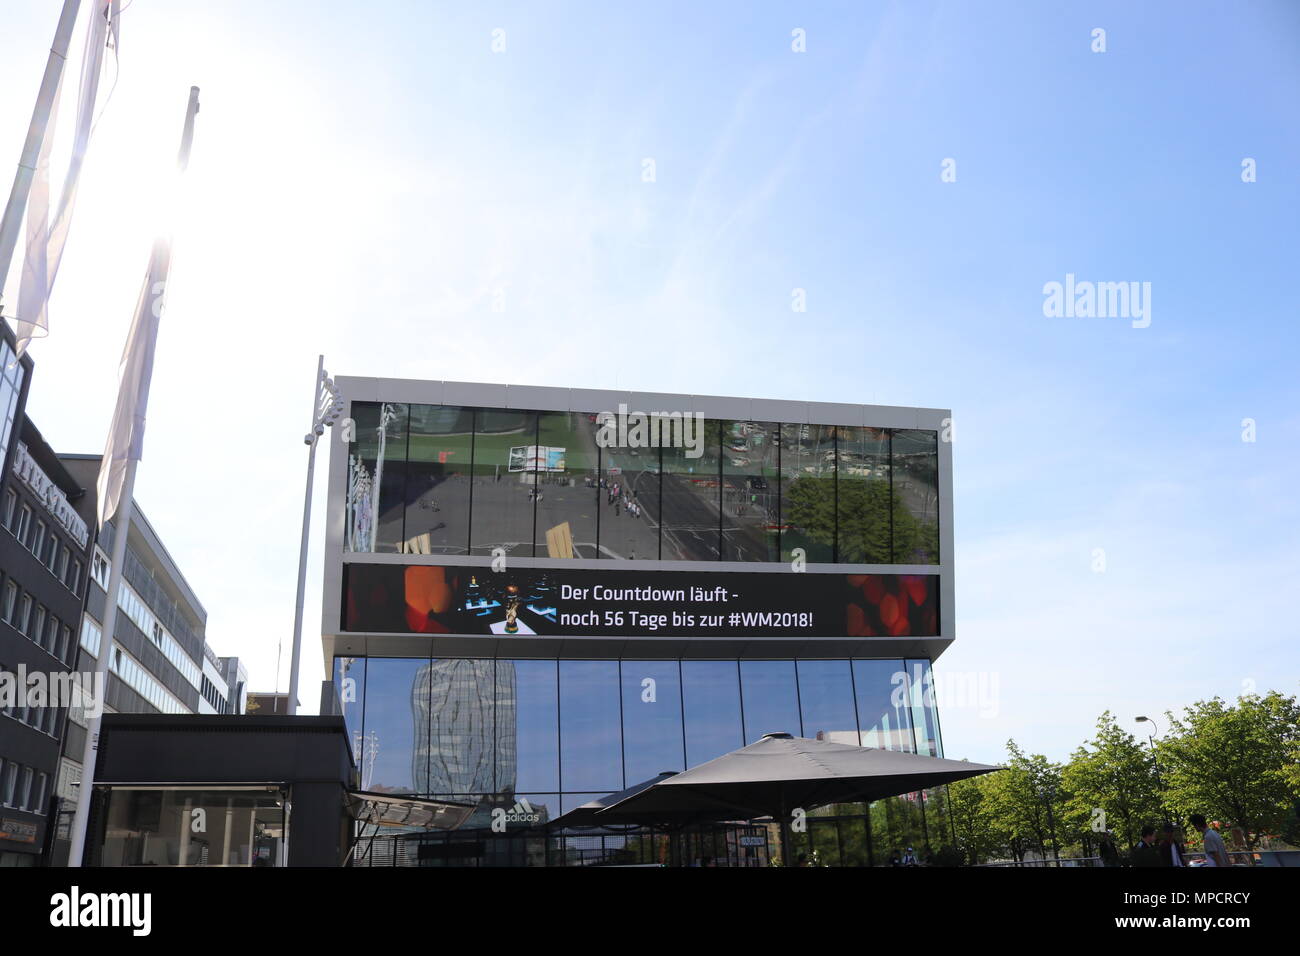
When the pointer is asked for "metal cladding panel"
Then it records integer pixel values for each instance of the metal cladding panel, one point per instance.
(474, 394)
(593, 400)
(538, 398)
(718, 406)
(776, 410)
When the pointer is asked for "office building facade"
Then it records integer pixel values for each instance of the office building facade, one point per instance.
(44, 555)
(537, 596)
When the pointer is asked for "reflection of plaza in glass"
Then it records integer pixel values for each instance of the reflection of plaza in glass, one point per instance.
(458, 480)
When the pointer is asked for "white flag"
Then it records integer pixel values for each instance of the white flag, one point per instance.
(126, 434)
(46, 240)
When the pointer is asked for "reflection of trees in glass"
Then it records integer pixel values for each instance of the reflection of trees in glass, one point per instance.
(865, 526)
(896, 825)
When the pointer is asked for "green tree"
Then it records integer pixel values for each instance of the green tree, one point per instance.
(1112, 772)
(1028, 797)
(970, 808)
(1235, 763)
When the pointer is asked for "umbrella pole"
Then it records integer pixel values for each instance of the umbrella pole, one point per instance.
(785, 836)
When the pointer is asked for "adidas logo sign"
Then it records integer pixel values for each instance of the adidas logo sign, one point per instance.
(522, 812)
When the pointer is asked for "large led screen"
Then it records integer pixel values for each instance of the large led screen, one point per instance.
(434, 599)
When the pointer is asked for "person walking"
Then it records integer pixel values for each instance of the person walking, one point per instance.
(1171, 851)
(1144, 852)
(1216, 854)
(1109, 855)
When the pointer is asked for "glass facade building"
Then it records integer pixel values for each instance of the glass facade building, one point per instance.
(484, 648)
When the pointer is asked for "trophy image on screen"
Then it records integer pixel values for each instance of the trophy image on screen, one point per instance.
(512, 609)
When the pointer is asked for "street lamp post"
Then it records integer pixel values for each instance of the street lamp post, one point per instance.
(327, 406)
(1155, 762)
(1049, 794)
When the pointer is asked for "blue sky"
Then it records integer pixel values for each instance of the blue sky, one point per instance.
(367, 177)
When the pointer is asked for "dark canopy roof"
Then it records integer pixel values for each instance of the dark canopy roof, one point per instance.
(779, 773)
(585, 815)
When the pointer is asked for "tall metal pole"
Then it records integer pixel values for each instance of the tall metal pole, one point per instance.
(122, 529)
(326, 408)
(90, 750)
(22, 187)
(296, 653)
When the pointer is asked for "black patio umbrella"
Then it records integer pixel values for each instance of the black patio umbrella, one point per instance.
(585, 815)
(780, 773)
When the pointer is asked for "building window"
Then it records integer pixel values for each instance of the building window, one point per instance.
(24, 523)
(38, 540)
(38, 798)
(64, 557)
(65, 645)
(38, 625)
(74, 582)
(11, 499)
(10, 783)
(11, 384)
(24, 796)
(24, 614)
(10, 602)
(99, 570)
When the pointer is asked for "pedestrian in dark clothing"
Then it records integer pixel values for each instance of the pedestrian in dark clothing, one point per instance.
(1171, 851)
(1145, 853)
(1109, 855)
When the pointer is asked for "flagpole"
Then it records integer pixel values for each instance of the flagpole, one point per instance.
(90, 749)
(150, 303)
(325, 410)
(22, 187)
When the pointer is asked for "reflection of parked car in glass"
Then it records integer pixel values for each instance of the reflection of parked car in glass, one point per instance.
(758, 484)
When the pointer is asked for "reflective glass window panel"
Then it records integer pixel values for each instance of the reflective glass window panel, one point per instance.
(896, 825)
(567, 462)
(692, 492)
(376, 491)
(808, 492)
(915, 460)
(153, 827)
(590, 738)
(826, 699)
(528, 741)
(458, 695)
(350, 695)
(750, 491)
(652, 719)
(862, 495)
(395, 745)
(925, 721)
(884, 714)
(771, 699)
(711, 701)
(629, 477)
(437, 479)
(505, 483)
